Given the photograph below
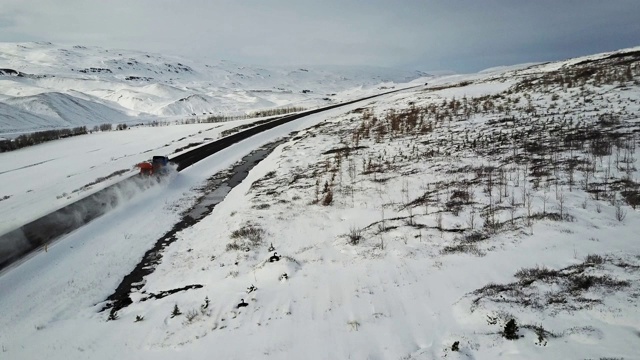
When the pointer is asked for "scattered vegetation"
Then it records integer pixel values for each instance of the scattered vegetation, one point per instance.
(247, 237)
(565, 289)
(191, 315)
(40, 137)
(529, 156)
(277, 111)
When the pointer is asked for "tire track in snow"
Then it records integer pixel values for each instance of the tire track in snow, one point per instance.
(27, 166)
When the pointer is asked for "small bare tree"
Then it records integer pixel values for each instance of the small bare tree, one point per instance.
(588, 169)
(571, 171)
(490, 220)
(512, 209)
(380, 192)
(471, 221)
(529, 208)
(621, 214)
(439, 221)
(489, 188)
(561, 200)
(545, 199)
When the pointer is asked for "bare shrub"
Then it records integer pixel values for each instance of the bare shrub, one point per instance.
(549, 216)
(355, 235)
(248, 236)
(328, 198)
(471, 220)
(563, 289)
(458, 198)
(191, 315)
(250, 232)
(462, 248)
(537, 273)
(594, 259)
(474, 237)
(582, 283)
(542, 334)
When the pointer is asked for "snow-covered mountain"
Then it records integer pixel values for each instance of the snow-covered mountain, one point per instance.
(52, 86)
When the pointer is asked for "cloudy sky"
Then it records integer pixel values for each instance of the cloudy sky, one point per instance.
(459, 35)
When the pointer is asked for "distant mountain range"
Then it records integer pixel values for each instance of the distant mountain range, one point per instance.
(45, 86)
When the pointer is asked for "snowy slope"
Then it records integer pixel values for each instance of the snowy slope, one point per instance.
(413, 226)
(15, 119)
(63, 110)
(138, 83)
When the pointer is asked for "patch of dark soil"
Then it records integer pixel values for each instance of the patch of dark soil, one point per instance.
(345, 150)
(166, 293)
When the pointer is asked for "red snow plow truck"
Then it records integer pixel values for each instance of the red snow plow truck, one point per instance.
(158, 165)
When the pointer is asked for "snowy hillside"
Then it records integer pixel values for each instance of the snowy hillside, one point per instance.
(491, 215)
(107, 85)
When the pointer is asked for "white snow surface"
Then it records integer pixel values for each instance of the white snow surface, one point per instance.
(396, 294)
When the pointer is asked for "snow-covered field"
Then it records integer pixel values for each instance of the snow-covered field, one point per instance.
(39, 179)
(425, 224)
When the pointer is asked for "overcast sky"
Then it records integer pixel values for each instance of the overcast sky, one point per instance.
(459, 35)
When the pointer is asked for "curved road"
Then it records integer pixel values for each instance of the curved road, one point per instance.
(21, 242)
